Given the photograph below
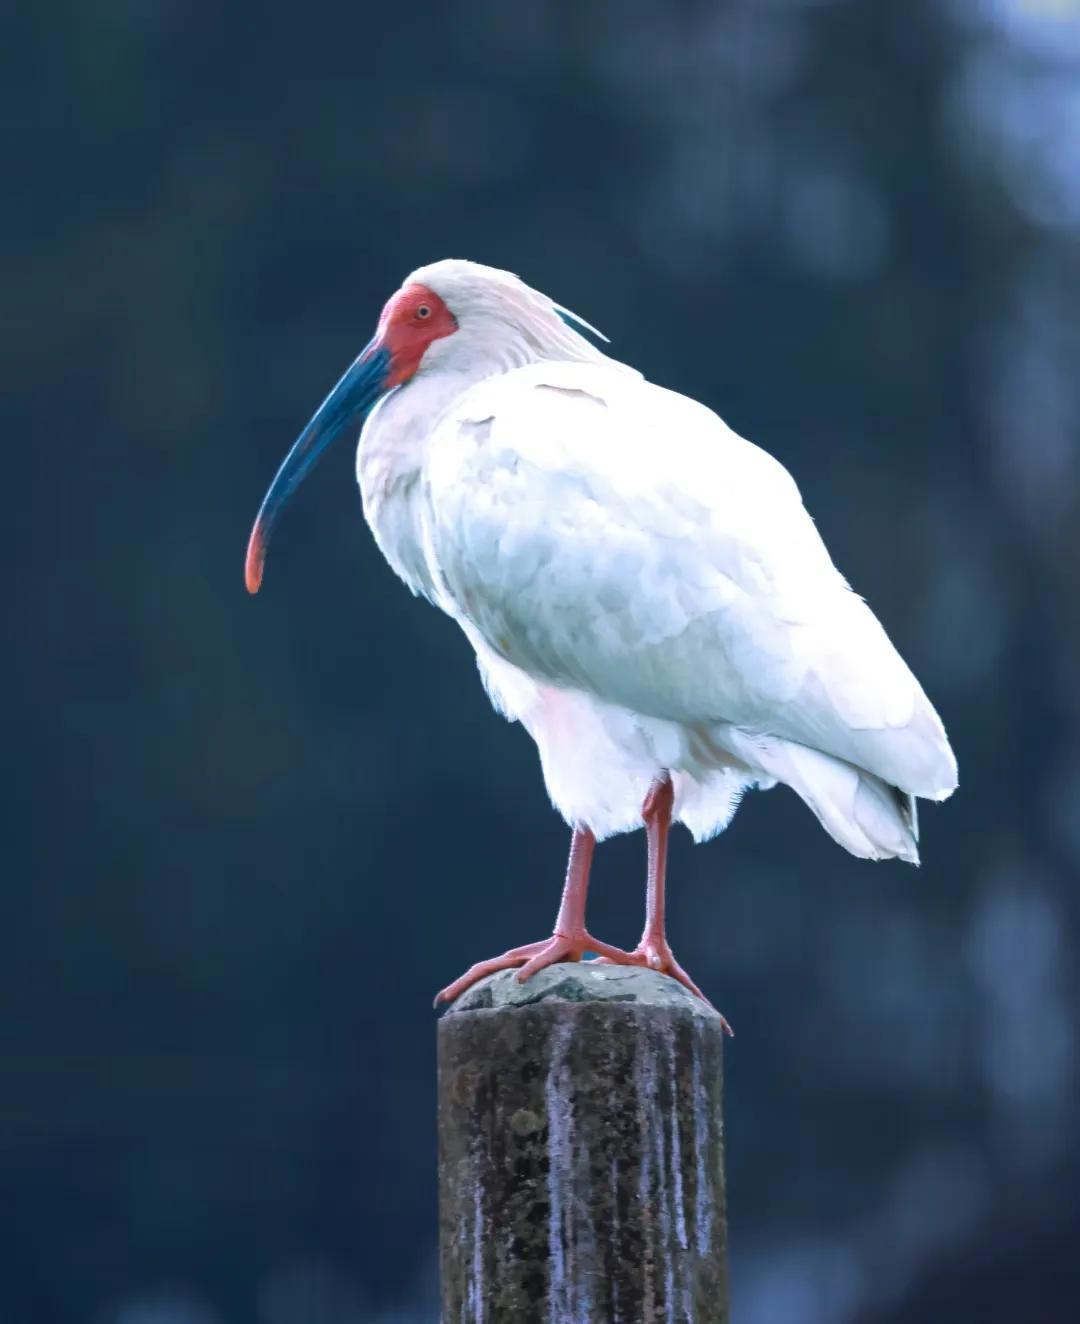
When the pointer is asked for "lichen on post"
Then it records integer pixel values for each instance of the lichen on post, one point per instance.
(581, 1175)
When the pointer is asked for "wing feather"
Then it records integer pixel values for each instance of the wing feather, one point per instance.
(604, 533)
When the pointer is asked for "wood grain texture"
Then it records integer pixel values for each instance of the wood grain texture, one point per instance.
(581, 1152)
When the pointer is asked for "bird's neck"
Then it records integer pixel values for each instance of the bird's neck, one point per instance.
(393, 444)
(389, 461)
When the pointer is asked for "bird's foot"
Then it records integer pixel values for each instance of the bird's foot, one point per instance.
(655, 954)
(535, 956)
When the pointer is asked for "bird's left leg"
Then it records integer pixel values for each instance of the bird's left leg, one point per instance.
(570, 940)
(653, 950)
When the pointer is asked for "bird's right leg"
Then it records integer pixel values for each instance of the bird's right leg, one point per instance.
(570, 940)
(653, 950)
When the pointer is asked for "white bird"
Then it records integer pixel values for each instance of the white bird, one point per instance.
(644, 589)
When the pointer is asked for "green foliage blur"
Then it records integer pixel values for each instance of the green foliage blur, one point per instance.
(247, 840)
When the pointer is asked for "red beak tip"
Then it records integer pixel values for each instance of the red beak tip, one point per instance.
(254, 561)
(253, 573)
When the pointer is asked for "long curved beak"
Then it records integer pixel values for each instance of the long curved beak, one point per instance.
(347, 404)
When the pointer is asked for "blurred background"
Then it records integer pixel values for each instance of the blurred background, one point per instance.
(247, 840)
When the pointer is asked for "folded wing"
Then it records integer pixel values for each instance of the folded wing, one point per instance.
(603, 533)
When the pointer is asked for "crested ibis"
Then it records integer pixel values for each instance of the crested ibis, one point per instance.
(644, 589)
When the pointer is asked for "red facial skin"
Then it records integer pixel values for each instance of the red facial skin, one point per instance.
(412, 320)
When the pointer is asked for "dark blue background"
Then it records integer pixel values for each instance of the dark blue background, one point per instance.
(247, 840)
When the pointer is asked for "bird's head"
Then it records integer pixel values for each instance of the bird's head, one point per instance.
(446, 316)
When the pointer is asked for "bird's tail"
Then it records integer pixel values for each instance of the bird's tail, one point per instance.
(867, 816)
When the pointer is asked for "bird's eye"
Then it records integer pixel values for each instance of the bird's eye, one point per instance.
(423, 311)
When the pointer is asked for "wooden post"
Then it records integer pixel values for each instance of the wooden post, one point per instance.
(581, 1176)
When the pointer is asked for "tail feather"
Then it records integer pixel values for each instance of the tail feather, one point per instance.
(867, 816)
(909, 810)
(884, 816)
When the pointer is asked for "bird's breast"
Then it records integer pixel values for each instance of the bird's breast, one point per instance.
(389, 465)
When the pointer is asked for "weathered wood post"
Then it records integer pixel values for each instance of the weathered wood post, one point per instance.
(581, 1176)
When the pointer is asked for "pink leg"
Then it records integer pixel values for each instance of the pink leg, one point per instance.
(653, 949)
(570, 940)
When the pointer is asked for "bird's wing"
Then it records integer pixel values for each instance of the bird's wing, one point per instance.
(604, 533)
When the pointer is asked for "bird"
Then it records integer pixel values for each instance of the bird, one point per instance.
(644, 590)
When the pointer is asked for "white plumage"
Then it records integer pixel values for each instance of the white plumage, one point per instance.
(644, 589)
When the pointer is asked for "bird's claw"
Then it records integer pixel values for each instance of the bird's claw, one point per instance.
(535, 956)
(655, 954)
